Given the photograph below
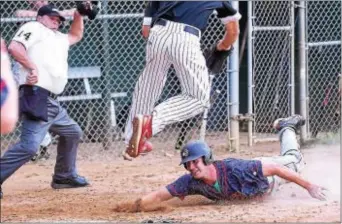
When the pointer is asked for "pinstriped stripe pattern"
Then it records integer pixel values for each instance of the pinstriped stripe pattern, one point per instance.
(168, 45)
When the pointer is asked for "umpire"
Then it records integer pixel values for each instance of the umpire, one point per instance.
(42, 52)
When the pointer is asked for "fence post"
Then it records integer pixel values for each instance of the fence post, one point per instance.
(107, 132)
(250, 72)
(292, 79)
(302, 68)
(233, 89)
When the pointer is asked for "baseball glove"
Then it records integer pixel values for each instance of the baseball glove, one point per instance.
(87, 8)
(215, 58)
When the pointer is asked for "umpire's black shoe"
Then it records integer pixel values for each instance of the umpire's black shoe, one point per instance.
(72, 182)
(294, 121)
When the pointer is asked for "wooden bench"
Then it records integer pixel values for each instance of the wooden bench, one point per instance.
(86, 73)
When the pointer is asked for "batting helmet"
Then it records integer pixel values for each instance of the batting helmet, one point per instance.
(194, 150)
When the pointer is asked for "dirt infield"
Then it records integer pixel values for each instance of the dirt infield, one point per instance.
(29, 197)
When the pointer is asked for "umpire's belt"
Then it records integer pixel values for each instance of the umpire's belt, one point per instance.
(187, 28)
(33, 102)
(28, 89)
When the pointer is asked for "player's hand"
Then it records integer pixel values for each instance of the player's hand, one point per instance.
(317, 192)
(145, 31)
(32, 77)
(222, 47)
(132, 206)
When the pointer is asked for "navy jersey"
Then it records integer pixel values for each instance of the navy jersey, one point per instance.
(194, 13)
(236, 178)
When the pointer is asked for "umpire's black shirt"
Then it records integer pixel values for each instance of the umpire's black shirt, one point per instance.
(193, 13)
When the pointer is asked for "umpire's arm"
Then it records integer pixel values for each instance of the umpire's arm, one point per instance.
(77, 28)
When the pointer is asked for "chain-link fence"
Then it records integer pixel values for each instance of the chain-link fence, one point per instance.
(273, 62)
(109, 59)
(107, 63)
(323, 66)
(275, 68)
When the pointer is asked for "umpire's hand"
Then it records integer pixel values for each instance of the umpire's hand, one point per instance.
(32, 77)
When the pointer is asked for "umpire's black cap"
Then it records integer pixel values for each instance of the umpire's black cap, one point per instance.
(50, 10)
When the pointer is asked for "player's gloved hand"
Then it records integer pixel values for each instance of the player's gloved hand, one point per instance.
(317, 192)
(216, 56)
(87, 8)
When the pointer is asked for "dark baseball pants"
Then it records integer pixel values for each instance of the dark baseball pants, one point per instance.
(32, 134)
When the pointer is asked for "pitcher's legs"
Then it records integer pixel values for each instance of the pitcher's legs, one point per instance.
(194, 79)
(152, 79)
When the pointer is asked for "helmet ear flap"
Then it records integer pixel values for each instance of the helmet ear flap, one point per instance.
(208, 159)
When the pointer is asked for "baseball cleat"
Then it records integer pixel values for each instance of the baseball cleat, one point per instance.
(294, 121)
(142, 130)
(146, 148)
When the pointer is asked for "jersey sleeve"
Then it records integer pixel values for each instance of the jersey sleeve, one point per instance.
(150, 10)
(181, 187)
(227, 13)
(28, 34)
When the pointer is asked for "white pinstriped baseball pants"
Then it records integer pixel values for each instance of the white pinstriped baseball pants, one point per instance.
(170, 45)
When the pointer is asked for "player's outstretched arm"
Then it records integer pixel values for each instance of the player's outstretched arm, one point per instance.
(271, 169)
(148, 202)
(156, 197)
